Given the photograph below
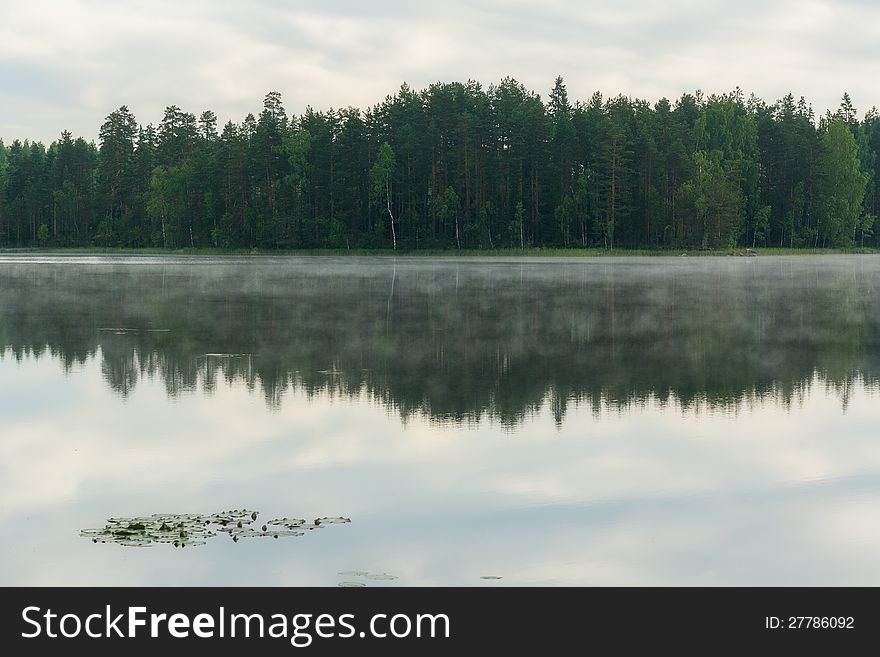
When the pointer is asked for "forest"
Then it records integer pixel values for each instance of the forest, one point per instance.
(457, 166)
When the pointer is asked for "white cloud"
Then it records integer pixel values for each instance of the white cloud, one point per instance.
(66, 65)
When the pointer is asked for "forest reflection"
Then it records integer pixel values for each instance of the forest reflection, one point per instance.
(457, 340)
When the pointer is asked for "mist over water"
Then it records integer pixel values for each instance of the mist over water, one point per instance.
(545, 420)
(455, 339)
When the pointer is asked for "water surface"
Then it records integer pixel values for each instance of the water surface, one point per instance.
(546, 421)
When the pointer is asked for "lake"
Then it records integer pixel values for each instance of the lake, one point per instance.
(481, 421)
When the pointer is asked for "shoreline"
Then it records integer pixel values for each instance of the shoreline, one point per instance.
(529, 252)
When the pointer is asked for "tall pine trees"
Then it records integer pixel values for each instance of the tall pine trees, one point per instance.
(457, 165)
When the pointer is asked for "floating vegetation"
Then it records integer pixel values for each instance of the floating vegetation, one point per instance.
(351, 584)
(288, 523)
(190, 529)
(376, 577)
(490, 577)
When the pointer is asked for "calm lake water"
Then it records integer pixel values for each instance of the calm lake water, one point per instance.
(606, 421)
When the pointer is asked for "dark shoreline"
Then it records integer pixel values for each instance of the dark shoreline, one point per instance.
(550, 252)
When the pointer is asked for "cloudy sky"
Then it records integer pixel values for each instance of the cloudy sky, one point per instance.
(67, 64)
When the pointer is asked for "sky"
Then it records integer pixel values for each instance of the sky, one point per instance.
(67, 64)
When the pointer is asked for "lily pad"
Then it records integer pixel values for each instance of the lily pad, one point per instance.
(192, 529)
(289, 523)
(377, 577)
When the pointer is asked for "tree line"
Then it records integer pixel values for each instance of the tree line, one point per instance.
(457, 166)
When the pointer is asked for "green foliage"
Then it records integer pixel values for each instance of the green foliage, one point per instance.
(760, 226)
(382, 170)
(381, 175)
(488, 215)
(867, 226)
(457, 165)
(842, 186)
(712, 203)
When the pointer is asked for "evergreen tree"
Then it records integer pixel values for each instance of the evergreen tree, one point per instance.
(456, 165)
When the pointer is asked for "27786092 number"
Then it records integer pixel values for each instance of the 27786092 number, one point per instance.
(810, 622)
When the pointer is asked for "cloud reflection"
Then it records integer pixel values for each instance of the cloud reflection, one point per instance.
(652, 496)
